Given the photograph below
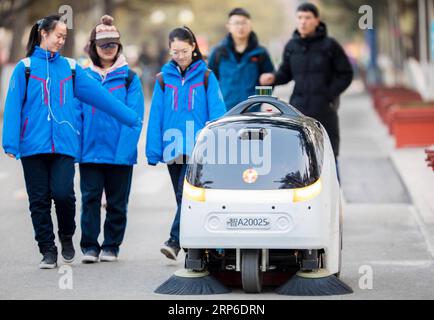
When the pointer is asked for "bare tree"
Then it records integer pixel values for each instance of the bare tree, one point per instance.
(10, 8)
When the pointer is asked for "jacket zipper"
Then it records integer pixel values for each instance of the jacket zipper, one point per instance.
(53, 149)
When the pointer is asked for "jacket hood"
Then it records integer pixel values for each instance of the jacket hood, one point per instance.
(253, 42)
(120, 62)
(320, 32)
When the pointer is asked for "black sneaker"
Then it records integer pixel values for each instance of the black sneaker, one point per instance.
(170, 249)
(49, 261)
(68, 252)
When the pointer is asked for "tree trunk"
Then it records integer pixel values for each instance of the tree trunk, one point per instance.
(109, 7)
(18, 28)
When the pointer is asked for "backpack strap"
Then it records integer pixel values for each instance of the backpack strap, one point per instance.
(160, 80)
(261, 61)
(220, 52)
(72, 64)
(26, 62)
(130, 78)
(205, 80)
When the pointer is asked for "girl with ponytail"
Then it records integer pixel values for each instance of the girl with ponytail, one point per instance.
(42, 127)
(186, 95)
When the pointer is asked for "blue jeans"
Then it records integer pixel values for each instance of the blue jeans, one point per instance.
(50, 177)
(177, 175)
(116, 181)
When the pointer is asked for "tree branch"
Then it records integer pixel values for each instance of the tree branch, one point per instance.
(6, 18)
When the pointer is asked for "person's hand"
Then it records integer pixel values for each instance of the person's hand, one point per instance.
(267, 79)
(10, 155)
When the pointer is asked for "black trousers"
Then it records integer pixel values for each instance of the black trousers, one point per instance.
(116, 181)
(331, 124)
(50, 177)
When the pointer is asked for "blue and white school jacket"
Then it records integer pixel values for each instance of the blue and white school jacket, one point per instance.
(49, 120)
(180, 111)
(105, 139)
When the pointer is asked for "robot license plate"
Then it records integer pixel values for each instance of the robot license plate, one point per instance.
(248, 223)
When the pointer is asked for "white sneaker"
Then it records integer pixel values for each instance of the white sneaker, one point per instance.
(90, 256)
(170, 249)
(108, 256)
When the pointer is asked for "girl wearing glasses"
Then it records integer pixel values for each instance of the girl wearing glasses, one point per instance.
(42, 127)
(186, 96)
(109, 148)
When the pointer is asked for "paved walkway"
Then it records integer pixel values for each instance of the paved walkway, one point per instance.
(391, 239)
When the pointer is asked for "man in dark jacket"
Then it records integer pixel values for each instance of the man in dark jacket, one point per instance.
(320, 68)
(239, 60)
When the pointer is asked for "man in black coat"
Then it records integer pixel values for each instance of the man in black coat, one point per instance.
(320, 68)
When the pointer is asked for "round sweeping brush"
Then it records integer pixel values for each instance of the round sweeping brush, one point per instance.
(188, 282)
(314, 283)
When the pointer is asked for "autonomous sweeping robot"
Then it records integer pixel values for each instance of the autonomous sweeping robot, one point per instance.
(261, 195)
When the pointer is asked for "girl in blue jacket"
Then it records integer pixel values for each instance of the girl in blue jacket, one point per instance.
(109, 148)
(186, 96)
(42, 125)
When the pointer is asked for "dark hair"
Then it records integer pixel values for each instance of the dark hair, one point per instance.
(93, 54)
(47, 24)
(308, 7)
(239, 12)
(185, 34)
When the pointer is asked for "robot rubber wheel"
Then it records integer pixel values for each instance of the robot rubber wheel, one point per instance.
(251, 275)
